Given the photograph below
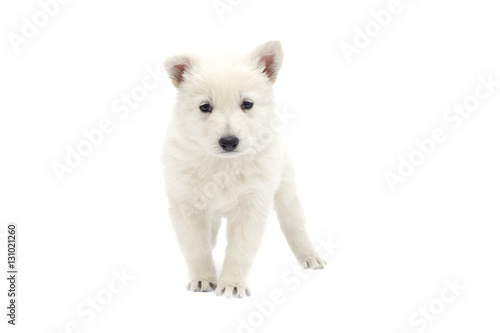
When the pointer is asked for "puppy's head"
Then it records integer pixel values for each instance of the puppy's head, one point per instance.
(224, 103)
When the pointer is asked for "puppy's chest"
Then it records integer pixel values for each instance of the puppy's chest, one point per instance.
(227, 179)
(221, 185)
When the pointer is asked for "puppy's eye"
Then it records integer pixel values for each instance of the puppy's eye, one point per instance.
(206, 107)
(246, 105)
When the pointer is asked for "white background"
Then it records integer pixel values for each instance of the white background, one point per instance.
(352, 122)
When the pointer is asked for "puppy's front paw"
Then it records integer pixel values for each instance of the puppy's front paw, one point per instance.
(229, 290)
(312, 263)
(201, 285)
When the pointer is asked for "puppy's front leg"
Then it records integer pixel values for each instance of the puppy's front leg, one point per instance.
(245, 228)
(193, 230)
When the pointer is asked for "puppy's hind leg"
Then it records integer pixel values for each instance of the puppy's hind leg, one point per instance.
(293, 222)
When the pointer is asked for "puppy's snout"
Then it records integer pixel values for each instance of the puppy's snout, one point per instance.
(229, 143)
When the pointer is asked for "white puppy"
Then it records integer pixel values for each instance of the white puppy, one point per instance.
(222, 159)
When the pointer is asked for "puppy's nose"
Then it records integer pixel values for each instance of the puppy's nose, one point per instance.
(229, 143)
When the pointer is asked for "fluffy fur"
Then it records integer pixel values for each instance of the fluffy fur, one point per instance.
(206, 183)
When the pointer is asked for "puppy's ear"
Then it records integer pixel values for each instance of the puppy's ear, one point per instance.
(177, 67)
(269, 57)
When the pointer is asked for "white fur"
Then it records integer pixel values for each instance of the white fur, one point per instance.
(205, 183)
